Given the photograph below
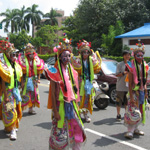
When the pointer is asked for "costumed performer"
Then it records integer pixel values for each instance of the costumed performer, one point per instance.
(32, 67)
(67, 128)
(135, 112)
(86, 63)
(11, 75)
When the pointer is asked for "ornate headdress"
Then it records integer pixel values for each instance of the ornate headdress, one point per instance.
(82, 46)
(63, 46)
(140, 47)
(6, 47)
(29, 48)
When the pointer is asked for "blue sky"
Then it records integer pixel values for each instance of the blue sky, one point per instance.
(44, 5)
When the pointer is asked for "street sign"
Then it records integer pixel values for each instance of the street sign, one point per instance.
(0, 25)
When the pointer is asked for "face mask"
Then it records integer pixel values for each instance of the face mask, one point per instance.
(139, 57)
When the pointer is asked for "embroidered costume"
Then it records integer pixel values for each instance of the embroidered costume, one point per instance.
(68, 130)
(86, 68)
(135, 112)
(11, 73)
(32, 67)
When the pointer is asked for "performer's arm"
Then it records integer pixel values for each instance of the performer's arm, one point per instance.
(38, 78)
(130, 87)
(4, 91)
(53, 94)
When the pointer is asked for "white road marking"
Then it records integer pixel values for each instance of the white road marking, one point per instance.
(43, 85)
(114, 139)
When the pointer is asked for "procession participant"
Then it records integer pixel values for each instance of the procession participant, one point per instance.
(135, 112)
(86, 63)
(67, 128)
(11, 74)
(121, 88)
(32, 67)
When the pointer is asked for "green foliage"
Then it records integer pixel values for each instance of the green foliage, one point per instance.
(109, 44)
(45, 57)
(48, 35)
(20, 39)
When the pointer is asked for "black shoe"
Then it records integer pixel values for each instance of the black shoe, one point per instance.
(118, 117)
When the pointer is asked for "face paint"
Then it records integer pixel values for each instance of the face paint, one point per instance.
(31, 56)
(85, 54)
(13, 57)
(139, 57)
(65, 57)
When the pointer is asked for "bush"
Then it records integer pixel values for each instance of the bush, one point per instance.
(45, 57)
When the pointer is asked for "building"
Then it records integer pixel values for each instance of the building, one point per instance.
(131, 38)
(44, 50)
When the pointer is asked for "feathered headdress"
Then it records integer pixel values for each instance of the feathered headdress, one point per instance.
(63, 46)
(82, 46)
(140, 47)
(6, 47)
(28, 49)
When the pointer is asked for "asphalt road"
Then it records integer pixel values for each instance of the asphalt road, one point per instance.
(103, 133)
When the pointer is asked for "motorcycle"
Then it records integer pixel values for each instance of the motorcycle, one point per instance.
(101, 100)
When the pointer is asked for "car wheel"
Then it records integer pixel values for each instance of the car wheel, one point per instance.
(112, 94)
(101, 103)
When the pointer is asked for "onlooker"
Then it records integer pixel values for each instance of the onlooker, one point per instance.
(121, 87)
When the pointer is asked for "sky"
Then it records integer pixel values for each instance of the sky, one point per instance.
(44, 5)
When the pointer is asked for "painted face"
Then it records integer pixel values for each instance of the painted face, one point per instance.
(13, 57)
(65, 57)
(139, 57)
(31, 56)
(85, 54)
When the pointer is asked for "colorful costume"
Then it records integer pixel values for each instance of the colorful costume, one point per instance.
(135, 112)
(11, 74)
(68, 131)
(86, 70)
(31, 69)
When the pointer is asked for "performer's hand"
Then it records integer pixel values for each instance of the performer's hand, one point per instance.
(132, 101)
(22, 85)
(38, 81)
(57, 116)
(6, 99)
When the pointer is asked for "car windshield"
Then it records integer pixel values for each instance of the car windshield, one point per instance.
(109, 67)
(50, 61)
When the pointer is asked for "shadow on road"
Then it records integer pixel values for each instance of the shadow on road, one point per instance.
(103, 142)
(45, 125)
(108, 121)
(3, 134)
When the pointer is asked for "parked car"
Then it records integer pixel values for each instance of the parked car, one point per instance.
(48, 63)
(107, 74)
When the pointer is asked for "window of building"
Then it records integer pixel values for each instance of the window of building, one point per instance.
(134, 41)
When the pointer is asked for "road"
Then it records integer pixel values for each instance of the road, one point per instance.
(103, 133)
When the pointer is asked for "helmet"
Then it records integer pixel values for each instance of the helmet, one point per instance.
(104, 86)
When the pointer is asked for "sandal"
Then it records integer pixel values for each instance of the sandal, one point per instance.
(138, 132)
(129, 135)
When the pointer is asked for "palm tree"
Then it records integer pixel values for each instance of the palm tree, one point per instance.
(33, 16)
(21, 20)
(51, 17)
(10, 20)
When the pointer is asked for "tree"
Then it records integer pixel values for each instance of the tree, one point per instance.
(20, 39)
(10, 20)
(51, 17)
(48, 35)
(111, 45)
(21, 20)
(34, 16)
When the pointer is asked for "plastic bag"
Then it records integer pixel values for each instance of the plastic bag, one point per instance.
(16, 94)
(30, 86)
